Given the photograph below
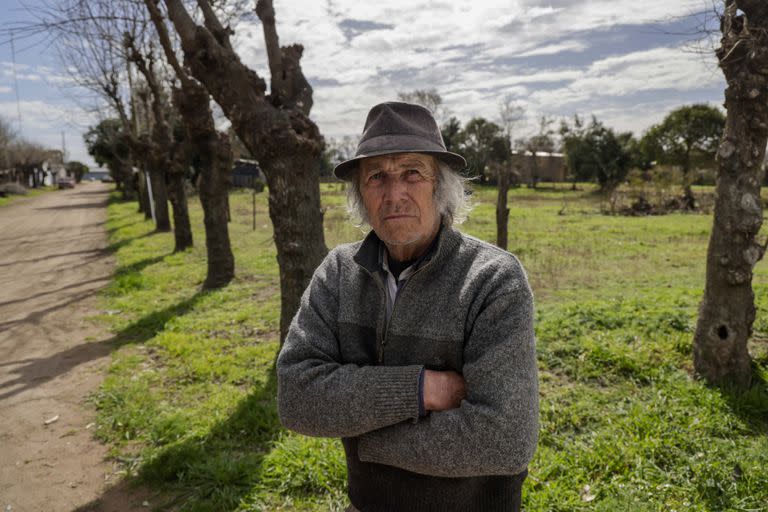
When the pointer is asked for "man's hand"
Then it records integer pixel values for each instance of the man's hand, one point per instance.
(443, 390)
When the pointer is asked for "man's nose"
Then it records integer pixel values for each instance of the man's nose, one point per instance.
(394, 188)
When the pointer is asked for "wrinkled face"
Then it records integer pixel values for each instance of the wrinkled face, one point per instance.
(397, 193)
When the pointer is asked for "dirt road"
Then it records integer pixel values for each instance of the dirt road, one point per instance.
(53, 261)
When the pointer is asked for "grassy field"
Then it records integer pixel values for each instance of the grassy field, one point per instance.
(188, 405)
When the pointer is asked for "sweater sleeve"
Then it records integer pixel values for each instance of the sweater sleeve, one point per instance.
(495, 429)
(317, 394)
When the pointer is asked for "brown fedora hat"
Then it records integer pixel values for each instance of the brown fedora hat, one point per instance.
(396, 127)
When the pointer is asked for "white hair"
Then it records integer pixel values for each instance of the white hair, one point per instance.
(450, 194)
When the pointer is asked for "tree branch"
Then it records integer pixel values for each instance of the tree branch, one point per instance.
(289, 87)
(214, 26)
(185, 25)
(165, 41)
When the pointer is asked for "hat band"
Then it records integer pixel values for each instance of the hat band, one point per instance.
(397, 143)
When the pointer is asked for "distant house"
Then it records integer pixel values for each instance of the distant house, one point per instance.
(246, 174)
(96, 175)
(547, 166)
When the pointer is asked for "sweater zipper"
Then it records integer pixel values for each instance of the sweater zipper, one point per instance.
(394, 306)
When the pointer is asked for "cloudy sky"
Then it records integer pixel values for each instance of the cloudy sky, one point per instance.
(626, 61)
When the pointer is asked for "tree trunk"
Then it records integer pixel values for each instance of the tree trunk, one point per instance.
(727, 310)
(144, 205)
(275, 128)
(689, 200)
(215, 164)
(298, 237)
(160, 195)
(214, 160)
(182, 230)
(214, 191)
(502, 212)
(129, 183)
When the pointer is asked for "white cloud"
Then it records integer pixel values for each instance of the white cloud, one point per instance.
(44, 123)
(5, 90)
(359, 53)
(656, 69)
(552, 49)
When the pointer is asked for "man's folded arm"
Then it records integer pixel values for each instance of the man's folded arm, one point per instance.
(495, 429)
(319, 396)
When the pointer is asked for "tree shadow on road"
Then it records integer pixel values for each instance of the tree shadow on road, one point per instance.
(75, 206)
(47, 257)
(32, 372)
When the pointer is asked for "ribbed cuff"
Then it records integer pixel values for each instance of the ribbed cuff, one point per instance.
(397, 395)
(422, 410)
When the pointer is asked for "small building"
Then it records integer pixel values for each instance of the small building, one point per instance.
(247, 174)
(549, 167)
(96, 175)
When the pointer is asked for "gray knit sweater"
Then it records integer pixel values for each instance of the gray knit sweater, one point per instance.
(343, 373)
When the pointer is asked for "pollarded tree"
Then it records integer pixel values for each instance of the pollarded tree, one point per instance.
(213, 158)
(686, 137)
(727, 310)
(276, 129)
(164, 151)
(510, 116)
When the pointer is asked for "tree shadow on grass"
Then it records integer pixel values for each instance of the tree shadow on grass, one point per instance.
(751, 405)
(152, 324)
(215, 471)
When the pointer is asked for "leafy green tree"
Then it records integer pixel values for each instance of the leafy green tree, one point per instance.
(108, 146)
(451, 132)
(596, 153)
(482, 143)
(76, 169)
(687, 137)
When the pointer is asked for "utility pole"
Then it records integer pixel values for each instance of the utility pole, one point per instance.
(16, 82)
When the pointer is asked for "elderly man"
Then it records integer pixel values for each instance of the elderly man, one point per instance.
(415, 345)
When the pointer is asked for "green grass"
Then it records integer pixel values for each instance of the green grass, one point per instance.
(32, 192)
(188, 406)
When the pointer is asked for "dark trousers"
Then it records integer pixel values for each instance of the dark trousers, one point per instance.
(516, 506)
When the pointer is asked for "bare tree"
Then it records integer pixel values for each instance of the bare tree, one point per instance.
(7, 136)
(164, 152)
(542, 142)
(89, 37)
(214, 155)
(510, 116)
(275, 128)
(727, 310)
(428, 98)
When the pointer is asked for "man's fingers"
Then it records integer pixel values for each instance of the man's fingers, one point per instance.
(443, 390)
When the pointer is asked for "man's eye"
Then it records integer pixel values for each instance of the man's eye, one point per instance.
(413, 174)
(375, 176)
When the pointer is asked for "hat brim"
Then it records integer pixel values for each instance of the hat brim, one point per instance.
(345, 170)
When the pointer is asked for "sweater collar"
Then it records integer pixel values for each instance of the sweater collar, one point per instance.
(368, 255)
